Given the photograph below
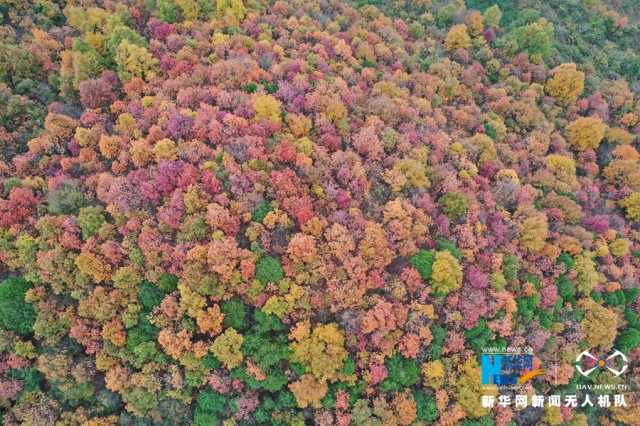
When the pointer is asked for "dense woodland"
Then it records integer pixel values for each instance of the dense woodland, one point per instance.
(314, 212)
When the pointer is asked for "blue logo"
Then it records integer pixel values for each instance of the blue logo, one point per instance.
(507, 369)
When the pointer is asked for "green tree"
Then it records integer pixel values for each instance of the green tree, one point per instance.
(454, 204)
(535, 38)
(423, 262)
(149, 295)
(628, 340)
(401, 373)
(209, 406)
(67, 199)
(426, 408)
(234, 314)
(269, 270)
(90, 219)
(16, 314)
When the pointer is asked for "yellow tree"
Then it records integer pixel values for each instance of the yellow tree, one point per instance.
(321, 351)
(135, 61)
(309, 391)
(457, 38)
(469, 386)
(566, 83)
(267, 106)
(226, 348)
(232, 11)
(535, 231)
(632, 204)
(446, 273)
(586, 132)
(599, 324)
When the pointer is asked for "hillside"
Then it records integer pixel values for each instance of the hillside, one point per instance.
(315, 212)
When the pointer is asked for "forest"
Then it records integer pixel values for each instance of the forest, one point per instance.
(315, 212)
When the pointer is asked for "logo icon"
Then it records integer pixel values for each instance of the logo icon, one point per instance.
(508, 369)
(608, 362)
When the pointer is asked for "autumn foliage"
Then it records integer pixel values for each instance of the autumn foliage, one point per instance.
(305, 212)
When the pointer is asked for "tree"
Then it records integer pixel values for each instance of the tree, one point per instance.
(266, 107)
(426, 408)
(447, 273)
(210, 321)
(227, 346)
(401, 373)
(469, 385)
(320, 350)
(210, 406)
(234, 314)
(309, 391)
(492, 16)
(454, 204)
(423, 262)
(232, 10)
(599, 324)
(92, 266)
(433, 373)
(628, 340)
(404, 407)
(16, 314)
(135, 61)
(149, 295)
(586, 132)
(535, 38)
(18, 207)
(165, 149)
(632, 205)
(566, 83)
(534, 233)
(269, 270)
(66, 199)
(588, 277)
(90, 219)
(457, 38)
(98, 92)
(266, 345)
